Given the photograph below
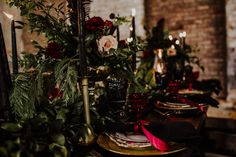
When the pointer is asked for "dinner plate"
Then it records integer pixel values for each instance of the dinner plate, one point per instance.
(106, 143)
(131, 136)
(129, 140)
(175, 106)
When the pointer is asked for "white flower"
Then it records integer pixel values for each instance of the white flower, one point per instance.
(105, 43)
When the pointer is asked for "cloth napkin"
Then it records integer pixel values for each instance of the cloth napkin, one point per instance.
(175, 131)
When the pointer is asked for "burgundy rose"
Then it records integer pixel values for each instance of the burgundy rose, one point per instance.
(53, 50)
(95, 23)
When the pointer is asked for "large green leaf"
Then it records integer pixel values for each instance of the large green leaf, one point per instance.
(12, 127)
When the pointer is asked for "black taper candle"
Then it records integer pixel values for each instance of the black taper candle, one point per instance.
(81, 34)
(184, 38)
(14, 48)
(87, 135)
(5, 60)
(118, 33)
(5, 81)
(133, 36)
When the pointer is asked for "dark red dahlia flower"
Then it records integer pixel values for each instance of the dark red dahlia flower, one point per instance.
(54, 50)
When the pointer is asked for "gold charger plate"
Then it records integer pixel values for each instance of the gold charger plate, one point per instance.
(193, 92)
(105, 142)
(178, 106)
(174, 106)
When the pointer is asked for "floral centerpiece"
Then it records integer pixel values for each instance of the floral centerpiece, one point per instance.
(176, 60)
(46, 98)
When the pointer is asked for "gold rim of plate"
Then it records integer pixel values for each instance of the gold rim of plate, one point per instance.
(162, 105)
(192, 92)
(107, 144)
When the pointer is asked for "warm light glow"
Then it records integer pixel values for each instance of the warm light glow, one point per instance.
(184, 34)
(173, 46)
(131, 28)
(180, 34)
(133, 12)
(170, 37)
(177, 42)
(129, 39)
(158, 64)
(10, 16)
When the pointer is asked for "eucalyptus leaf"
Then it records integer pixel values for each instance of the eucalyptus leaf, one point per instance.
(12, 127)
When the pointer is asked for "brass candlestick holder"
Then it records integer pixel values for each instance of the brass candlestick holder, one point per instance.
(86, 133)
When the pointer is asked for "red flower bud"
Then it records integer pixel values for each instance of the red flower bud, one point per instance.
(53, 50)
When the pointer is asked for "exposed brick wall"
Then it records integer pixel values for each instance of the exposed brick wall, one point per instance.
(28, 36)
(204, 22)
(24, 37)
(231, 48)
(103, 8)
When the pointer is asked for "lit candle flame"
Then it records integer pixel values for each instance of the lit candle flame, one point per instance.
(10, 16)
(173, 46)
(133, 12)
(129, 40)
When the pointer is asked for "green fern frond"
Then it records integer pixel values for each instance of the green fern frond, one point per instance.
(66, 76)
(21, 97)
